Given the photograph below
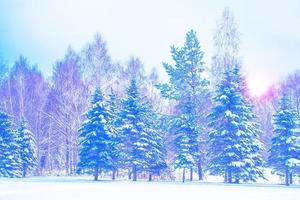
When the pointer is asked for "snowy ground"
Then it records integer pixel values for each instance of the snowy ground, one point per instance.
(81, 188)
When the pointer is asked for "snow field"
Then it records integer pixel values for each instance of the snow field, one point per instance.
(83, 188)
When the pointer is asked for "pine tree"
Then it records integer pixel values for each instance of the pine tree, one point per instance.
(234, 149)
(157, 150)
(27, 149)
(189, 89)
(97, 143)
(285, 149)
(116, 155)
(135, 137)
(10, 163)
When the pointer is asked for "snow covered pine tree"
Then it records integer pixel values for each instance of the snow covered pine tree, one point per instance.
(156, 149)
(10, 162)
(115, 136)
(189, 89)
(141, 143)
(285, 149)
(98, 148)
(234, 149)
(27, 149)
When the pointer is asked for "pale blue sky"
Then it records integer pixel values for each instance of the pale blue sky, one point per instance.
(41, 30)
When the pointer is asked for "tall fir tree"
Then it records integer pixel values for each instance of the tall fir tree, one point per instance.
(285, 149)
(27, 149)
(142, 145)
(97, 144)
(189, 88)
(234, 148)
(10, 162)
(157, 150)
(113, 109)
(134, 138)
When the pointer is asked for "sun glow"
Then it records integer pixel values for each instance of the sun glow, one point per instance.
(258, 85)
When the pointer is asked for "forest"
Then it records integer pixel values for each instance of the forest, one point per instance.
(95, 116)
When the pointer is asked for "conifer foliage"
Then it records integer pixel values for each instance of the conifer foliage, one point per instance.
(141, 142)
(285, 149)
(189, 88)
(10, 162)
(234, 149)
(98, 146)
(157, 150)
(113, 109)
(27, 149)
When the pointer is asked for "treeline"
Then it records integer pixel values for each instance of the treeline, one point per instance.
(96, 116)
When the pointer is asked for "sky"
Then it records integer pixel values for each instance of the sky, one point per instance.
(42, 30)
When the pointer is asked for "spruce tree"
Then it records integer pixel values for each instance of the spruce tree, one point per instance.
(188, 88)
(115, 153)
(10, 162)
(234, 149)
(97, 143)
(27, 149)
(136, 137)
(285, 149)
(157, 150)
